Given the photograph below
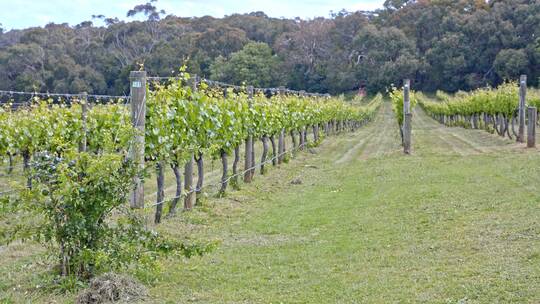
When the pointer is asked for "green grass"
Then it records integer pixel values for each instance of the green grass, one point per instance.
(456, 222)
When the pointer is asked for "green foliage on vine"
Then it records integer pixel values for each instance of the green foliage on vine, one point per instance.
(396, 96)
(75, 194)
(502, 100)
(57, 128)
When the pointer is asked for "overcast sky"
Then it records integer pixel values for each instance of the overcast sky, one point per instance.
(17, 14)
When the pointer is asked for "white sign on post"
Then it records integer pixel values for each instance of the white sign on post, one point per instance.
(136, 84)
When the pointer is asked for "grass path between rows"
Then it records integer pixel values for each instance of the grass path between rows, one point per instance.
(458, 221)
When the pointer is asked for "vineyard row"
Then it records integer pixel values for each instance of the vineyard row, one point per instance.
(495, 110)
(176, 124)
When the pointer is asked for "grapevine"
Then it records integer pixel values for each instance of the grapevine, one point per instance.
(495, 110)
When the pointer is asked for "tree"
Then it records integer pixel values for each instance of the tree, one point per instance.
(254, 64)
(445, 44)
(395, 4)
(509, 64)
(148, 10)
(385, 57)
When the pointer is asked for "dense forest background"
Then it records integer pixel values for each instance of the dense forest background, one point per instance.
(441, 44)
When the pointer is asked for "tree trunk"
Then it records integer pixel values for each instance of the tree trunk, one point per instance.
(253, 162)
(501, 125)
(284, 148)
(188, 185)
(26, 167)
(234, 180)
(293, 140)
(274, 154)
(160, 199)
(280, 147)
(178, 194)
(513, 126)
(506, 128)
(301, 137)
(225, 166)
(10, 168)
(200, 176)
(247, 159)
(495, 121)
(264, 140)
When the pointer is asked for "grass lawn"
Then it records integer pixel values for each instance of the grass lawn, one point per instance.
(456, 222)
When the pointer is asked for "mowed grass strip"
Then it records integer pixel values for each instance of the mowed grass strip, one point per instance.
(429, 228)
(379, 227)
(389, 229)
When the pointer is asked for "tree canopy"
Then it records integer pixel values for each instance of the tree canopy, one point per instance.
(254, 64)
(445, 44)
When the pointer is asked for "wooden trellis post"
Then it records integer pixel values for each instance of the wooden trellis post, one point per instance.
(531, 127)
(138, 116)
(407, 117)
(252, 171)
(84, 109)
(521, 113)
(249, 161)
(281, 138)
(189, 200)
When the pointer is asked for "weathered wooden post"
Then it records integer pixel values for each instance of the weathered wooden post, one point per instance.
(406, 96)
(252, 166)
(521, 113)
(84, 110)
(190, 198)
(138, 117)
(236, 153)
(407, 117)
(281, 139)
(224, 162)
(531, 127)
(407, 122)
(248, 161)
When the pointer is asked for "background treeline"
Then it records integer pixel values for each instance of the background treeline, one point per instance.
(441, 44)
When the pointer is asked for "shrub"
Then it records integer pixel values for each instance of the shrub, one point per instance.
(79, 203)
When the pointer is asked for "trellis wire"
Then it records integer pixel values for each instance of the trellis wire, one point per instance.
(127, 99)
(67, 95)
(228, 178)
(237, 87)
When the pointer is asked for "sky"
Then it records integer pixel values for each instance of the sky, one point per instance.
(18, 14)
